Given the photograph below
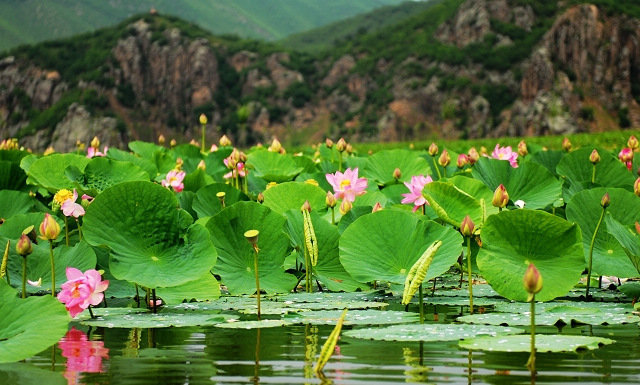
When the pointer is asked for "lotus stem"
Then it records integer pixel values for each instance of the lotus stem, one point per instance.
(531, 363)
(340, 162)
(153, 301)
(53, 269)
(333, 215)
(91, 312)
(421, 302)
(255, 266)
(66, 230)
(593, 175)
(469, 275)
(24, 276)
(435, 163)
(203, 146)
(79, 230)
(593, 241)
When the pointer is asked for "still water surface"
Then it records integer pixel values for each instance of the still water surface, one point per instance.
(286, 355)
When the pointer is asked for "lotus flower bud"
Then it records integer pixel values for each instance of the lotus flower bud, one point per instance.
(522, 148)
(462, 161)
(376, 207)
(203, 119)
(467, 226)
(532, 281)
(632, 143)
(349, 148)
(345, 206)
(49, 150)
(95, 142)
(626, 155)
(225, 141)
(173, 143)
(433, 149)
(636, 187)
(444, 159)
(85, 200)
(341, 145)
(328, 142)
(566, 144)
(604, 202)
(79, 145)
(24, 246)
(202, 166)
(500, 197)
(483, 151)
(242, 157)
(275, 146)
(306, 206)
(331, 200)
(49, 228)
(252, 236)
(214, 148)
(473, 155)
(594, 157)
(260, 197)
(397, 174)
(161, 139)
(194, 142)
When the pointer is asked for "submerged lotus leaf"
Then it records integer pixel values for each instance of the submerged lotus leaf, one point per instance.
(14, 203)
(273, 166)
(609, 258)
(206, 203)
(267, 323)
(137, 318)
(513, 239)
(354, 317)
(292, 195)
(380, 166)
(530, 182)
(544, 343)
(578, 171)
(374, 248)
(430, 332)
(235, 254)
(23, 322)
(150, 239)
(101, 173)
(48, 172)
(329, 269)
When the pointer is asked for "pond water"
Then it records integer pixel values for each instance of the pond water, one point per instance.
(286, 355)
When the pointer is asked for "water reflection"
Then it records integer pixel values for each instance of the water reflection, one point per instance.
(83, 355)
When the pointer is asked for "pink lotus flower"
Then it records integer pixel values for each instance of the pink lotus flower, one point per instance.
(83, 355)
(94, 151)
(72, 209)
(82, 290)
(239, 170)
(347, 186)
(505, 153)
(415, 191)
(174, 179)
(626, 157)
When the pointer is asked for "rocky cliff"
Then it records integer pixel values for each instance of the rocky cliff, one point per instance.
(582, 74)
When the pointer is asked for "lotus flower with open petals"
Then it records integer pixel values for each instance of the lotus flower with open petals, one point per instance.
(415, 191)
(82, 290)
(347, 186)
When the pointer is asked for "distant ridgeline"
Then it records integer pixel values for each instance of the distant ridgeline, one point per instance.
(455, 69)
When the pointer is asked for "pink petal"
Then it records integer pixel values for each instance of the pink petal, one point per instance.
(73, 273)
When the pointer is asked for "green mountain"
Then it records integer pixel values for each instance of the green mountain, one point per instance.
(458, 69)
(32, 21)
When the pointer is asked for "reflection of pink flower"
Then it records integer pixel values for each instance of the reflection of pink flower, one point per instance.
(505, 153)
(71, 208)
(415, 191)
(348, 185)
(94, 151)
(174, 179)
(82, 355)
(82, 290)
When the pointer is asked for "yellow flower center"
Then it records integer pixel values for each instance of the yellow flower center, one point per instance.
(311, 181)
(345, 183)
(62, 196)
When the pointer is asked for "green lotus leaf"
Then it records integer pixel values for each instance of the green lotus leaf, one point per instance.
(146, 150)
(145, 164)
(380, 166)
(630, 289)
(307, 164)
(578, 171)
(575, 306)
(549, 159)
(80, 256)
(267, 323)
(214, 161)
(513, 239)
(452, 204)
(292, 195)
(205, 288)
(319, 177)
(28, 326)
(207, 204)
(12, 177)
(530, 182)
(150, 242)
(14, 203)
(329, 270)
(236, 256)
(101, 173)
(627, 237)
(609, 258)
(196, 180)
(166, 317)
(48, 172)
(354, 317)
(28, 374)
(273, 166)
(13, 227)
(430, 332)
(370, 198)
(385, 244)
(190, 155)
(544, 343)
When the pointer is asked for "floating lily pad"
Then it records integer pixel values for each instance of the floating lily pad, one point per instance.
(544, 343)
(513, 239)
(292, 195)
(354, 317)
(559, 315)
(585, 307)
(48, 172)
(101, 173)
(430, 332)
(268, 323)
(273, 166)
(150, 239)
(135, 318)
(24, 373)
(23, 322)
(460, 301)
(380, 166)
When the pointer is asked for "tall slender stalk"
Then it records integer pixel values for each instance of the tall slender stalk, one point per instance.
(531, 363)
(255, 266)
(593, 241)
(53, 269)
(421, 302)
(469, 275)
(24, 276)
(66, 230)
